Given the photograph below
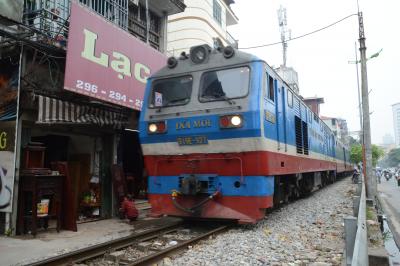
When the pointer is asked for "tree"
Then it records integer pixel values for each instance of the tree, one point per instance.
(377, 152)
(356, 155)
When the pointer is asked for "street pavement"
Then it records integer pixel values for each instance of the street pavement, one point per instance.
(389, 194)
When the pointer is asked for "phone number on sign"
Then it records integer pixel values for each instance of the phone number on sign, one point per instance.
(114, 95)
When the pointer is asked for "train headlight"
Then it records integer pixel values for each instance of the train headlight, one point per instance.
(199, 54)
(153, 128)
(230, 121)
(157, 127)
(236, 120)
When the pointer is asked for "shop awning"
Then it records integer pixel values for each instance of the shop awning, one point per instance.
(54, 111)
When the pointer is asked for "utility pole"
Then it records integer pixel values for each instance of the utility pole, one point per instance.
(367, 165)
(360, 135)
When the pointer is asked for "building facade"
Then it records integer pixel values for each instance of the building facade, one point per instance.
(314, 103)
(70, 97)
(289, 75)
(396, 123)
(338, 127)
(203, 22)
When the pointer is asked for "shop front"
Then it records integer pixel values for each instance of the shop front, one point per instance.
(70, 146)
(75, 152)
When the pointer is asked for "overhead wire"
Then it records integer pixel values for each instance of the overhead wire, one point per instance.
(301, 36)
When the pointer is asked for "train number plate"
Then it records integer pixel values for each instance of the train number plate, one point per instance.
(192, 140)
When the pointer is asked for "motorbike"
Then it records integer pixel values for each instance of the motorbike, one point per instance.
(387, 176)
(355, 177)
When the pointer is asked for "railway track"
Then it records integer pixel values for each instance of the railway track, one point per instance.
(141, 248)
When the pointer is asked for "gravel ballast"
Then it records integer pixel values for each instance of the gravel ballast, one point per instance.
(308, 231)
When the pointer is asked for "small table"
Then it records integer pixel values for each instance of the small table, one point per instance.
(34, 188)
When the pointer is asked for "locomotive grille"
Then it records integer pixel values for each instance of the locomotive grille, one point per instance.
(296, 106)
(299, 139)
(305, 137)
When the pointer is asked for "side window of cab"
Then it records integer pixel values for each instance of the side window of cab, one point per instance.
(269, 87)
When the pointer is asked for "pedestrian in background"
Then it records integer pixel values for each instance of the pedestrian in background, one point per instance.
(378, 175)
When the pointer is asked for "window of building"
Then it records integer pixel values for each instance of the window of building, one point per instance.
(137, 23)
(290, 98)
(217, 12)
(271, 92)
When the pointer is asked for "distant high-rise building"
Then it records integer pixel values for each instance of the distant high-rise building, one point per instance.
(387, 139)
(396, 123)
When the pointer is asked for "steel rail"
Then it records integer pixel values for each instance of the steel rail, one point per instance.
(102, 248)
(147, 260)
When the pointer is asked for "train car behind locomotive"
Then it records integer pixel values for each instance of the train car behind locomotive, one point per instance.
(224, 137)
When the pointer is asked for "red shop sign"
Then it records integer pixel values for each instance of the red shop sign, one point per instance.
(106, 62)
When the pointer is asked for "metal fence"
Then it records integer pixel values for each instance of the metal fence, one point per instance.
(49, 19)
(115, 11)
(356, 230)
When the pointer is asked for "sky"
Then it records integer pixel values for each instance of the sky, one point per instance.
(322, 59)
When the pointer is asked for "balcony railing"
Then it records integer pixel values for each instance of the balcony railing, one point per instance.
(48, 20)
(115, 11)
(138, 29)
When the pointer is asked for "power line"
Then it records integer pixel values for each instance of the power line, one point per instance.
(301, 36)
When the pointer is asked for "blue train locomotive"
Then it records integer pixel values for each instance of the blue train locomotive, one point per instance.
(224, 137)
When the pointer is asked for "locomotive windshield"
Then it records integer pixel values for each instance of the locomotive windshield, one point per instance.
(171, 91)
(224, 84)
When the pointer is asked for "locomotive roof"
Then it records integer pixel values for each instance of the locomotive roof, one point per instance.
(215, 60)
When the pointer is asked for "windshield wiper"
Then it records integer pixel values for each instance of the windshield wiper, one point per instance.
(223, 97)
(175, 101)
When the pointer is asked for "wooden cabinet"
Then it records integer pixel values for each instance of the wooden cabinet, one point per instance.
(33, 157)
(34, 188)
